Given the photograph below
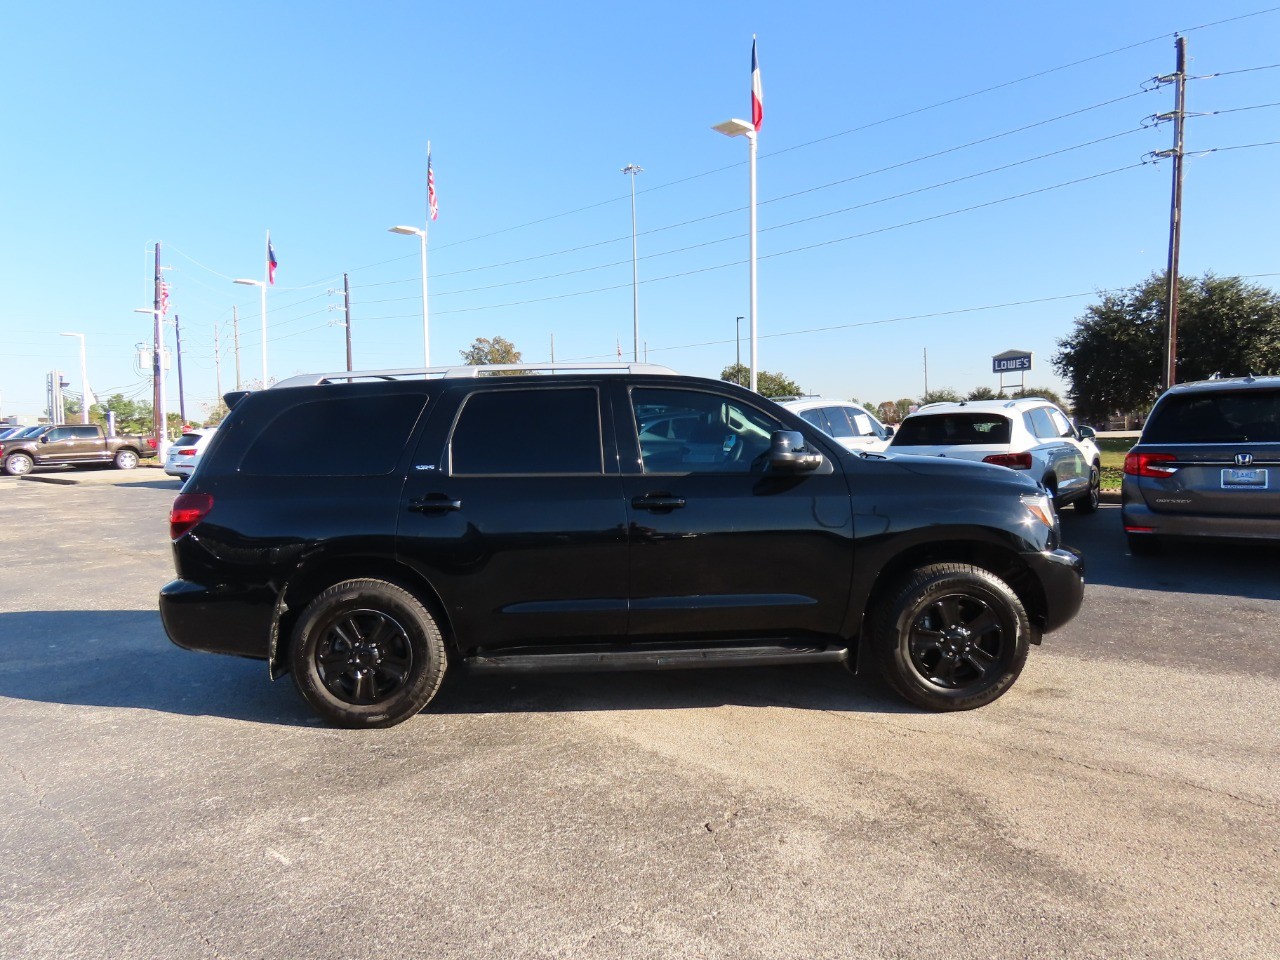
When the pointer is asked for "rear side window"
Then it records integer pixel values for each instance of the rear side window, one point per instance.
(1243, 416)
(543, 431)
(335, 437)
(952, 429)
(840, 424)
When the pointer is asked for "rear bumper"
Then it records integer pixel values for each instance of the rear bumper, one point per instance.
(222, 619)
(1061, 576)
(1198, 525)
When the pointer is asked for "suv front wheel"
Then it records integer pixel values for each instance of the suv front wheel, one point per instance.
(367, 653)
(951, 637)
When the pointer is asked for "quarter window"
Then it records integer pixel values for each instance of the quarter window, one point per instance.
(542, 431)
(341, 437)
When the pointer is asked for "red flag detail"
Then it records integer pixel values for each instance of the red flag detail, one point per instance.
(757, 91)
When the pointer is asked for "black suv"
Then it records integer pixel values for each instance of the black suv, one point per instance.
(368, 532)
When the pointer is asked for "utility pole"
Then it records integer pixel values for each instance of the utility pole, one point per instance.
(182, 400)
(346, 306)
(217, 363)
(235, 336)
(926, 375)
(1179, 79)
(157, 363)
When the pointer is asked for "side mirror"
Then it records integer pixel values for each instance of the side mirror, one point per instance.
(787, 453)
(1087, 433)
(44, 438)
(888, 433)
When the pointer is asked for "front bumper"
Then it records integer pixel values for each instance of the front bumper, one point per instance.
(1061, 576)
(222, 619)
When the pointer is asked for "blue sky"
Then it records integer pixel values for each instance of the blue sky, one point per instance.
(916, 177)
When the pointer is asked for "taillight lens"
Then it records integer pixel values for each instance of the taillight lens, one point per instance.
(1015, 461)
(185, 451)
(188, 510)
(1158, 465)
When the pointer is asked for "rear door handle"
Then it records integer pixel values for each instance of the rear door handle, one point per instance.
(434, 503)
(657, 502)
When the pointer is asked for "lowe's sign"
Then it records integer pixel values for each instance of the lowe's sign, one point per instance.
(1011, 361)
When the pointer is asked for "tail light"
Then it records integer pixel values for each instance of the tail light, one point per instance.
(185, 451)
(1158, 465)
(188, 510)
(1014, 461)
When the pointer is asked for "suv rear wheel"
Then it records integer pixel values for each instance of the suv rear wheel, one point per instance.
(951, 637)
(367, 653)
(1090, 501)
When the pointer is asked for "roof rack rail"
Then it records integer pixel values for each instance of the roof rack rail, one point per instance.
(475, 370)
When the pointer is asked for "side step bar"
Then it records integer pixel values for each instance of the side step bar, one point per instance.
(639, 657)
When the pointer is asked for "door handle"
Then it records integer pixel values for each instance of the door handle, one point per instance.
(434, 503)
(657, 502)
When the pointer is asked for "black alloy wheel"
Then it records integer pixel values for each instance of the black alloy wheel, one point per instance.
(1090, 502)
(951, 637)
(367, 653)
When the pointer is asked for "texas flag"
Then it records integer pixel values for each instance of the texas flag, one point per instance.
(757, 91)
(271, 261)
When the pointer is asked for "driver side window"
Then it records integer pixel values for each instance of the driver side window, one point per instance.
(688, 431)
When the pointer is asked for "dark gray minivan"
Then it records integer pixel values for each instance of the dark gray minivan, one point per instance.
(1207, 465)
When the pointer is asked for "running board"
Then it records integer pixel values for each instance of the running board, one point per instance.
(582, 659)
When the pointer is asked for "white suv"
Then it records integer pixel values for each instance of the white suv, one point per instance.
(1028, 434)
(848, 423)
(186, 451)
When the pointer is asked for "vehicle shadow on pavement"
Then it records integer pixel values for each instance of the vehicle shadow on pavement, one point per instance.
(1228, 570)
(121, 658)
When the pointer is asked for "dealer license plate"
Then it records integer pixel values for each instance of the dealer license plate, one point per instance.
(1232, 477)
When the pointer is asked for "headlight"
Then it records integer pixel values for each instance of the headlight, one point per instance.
(1041, 507)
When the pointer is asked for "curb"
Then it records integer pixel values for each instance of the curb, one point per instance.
(1110, 496)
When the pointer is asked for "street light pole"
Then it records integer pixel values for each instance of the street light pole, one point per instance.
(426, 333)
(743, 128)
(634, 171)
(84, 379)
(262, 285)
(737, 343)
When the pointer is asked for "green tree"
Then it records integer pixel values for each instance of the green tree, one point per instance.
(941, 395)
(982, 393)
(895, 411)
(768, 384)
(131, 416)
(1043, 392)
(484, 351)
(1114, 358)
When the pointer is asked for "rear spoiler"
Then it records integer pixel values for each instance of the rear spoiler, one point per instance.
(234, 397)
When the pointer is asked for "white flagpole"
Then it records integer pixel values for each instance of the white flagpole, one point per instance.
(426, 224)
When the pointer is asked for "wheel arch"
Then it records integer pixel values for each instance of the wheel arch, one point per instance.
(314, 578)
(993, 557)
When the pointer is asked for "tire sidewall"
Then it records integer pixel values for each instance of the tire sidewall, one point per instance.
(425, 642)
(23, 464)
(893, 641)
(126, 459)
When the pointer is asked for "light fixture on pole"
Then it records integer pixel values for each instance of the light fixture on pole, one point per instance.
(634, 171)
(744, 128)
(426, 335)
(84, 379)
(263, 285)
(157, 372)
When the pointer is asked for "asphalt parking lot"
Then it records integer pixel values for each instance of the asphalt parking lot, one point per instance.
(1122, 800)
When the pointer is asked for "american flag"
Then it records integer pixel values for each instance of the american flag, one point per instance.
(271, 261)
(757, 91)
(164, 297)
(433, 205)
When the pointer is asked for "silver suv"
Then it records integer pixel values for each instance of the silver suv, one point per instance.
(849, 424)
(1028, 434)
(1207, 465)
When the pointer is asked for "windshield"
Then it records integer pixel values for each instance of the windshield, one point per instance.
(1232, 416)
(952, 429)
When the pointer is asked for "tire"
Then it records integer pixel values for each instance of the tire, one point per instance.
(1090, 502)
(18, 464)
(366, 653)
(950, 636)
(126, 459)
